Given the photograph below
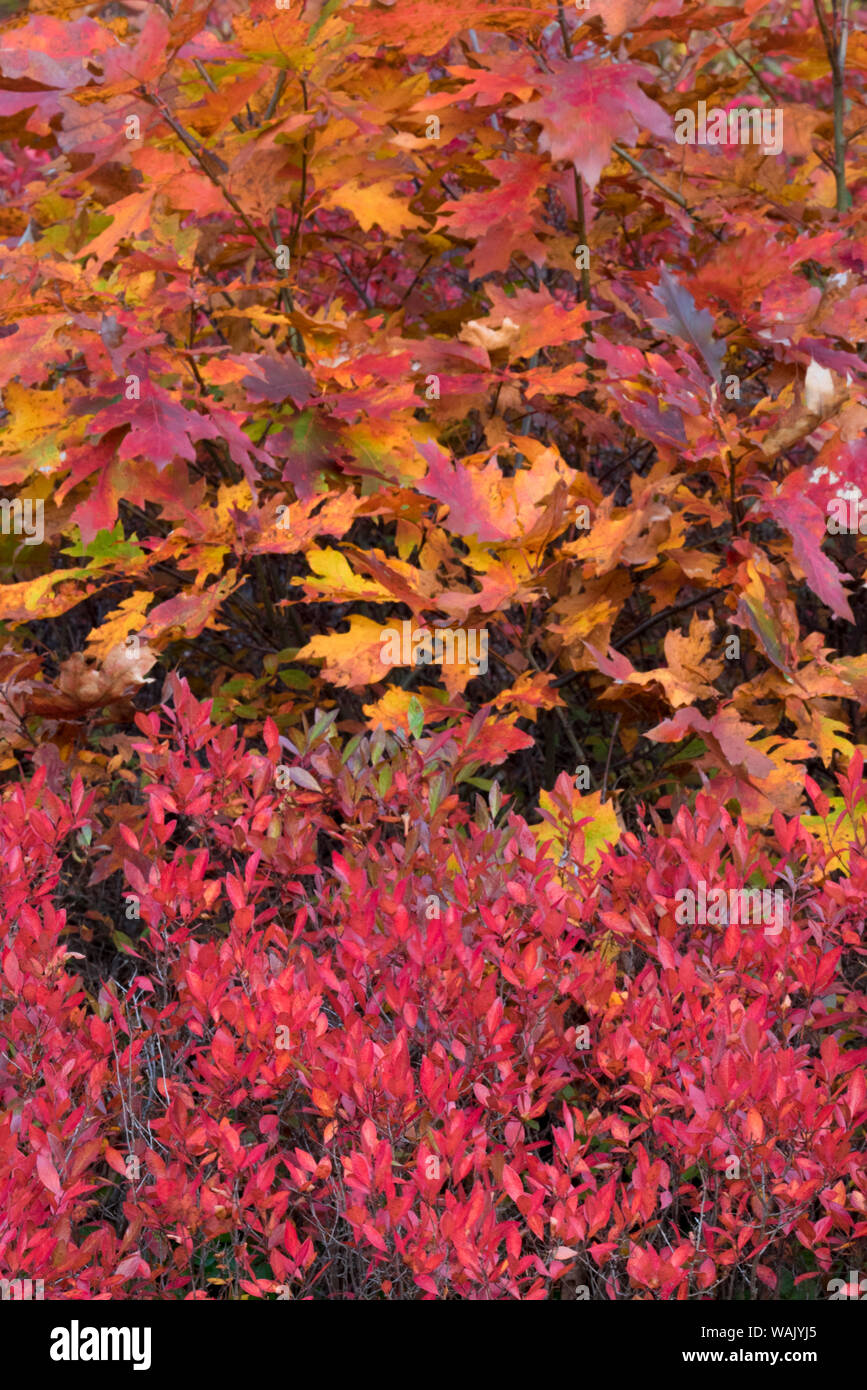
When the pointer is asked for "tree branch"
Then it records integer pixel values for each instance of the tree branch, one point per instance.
(213, 166)
(835, 47)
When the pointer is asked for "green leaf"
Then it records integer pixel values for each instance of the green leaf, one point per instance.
(415, 717)
(105, 547)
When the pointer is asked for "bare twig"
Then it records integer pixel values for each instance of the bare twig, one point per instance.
(608, 759)
(579, 182)
(669, 612)
(276, 95)
(664, 189)
(214, 167)
(836, 41)
(747, 64)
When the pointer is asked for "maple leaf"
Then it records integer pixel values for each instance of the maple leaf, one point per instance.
(583, 827)
(683, 681)
(726, 734)
(161, 429)
(542, 320)
(186, 615)
(127, 65)
(497, 75)
(293, 528)
(531, 692)
(502, 220)
(586, 106)
(129, 217)
(278, 379)
(352, 658)
(27, 345)
(618, 16)
(692, 325)
(482, 502)
(428, 27)
(123, 621)
(393, 709)
(334, 577)
(373, 204)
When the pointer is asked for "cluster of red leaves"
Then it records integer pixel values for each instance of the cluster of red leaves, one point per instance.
(363, 1080)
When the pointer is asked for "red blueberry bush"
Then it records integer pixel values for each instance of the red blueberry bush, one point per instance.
(340, 1051)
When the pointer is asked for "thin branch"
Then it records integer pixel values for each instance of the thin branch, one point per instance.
(608, 759)
(669, 612)
(359, 288)
(664, 188)
(213, 167)
(426, 262)
(276, 95)
(835, 47)
(578, 181)
(305, 157)
(747, 64)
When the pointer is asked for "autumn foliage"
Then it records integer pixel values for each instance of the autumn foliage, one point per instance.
(330, 976)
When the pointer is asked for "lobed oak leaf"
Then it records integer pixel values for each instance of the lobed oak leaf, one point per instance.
(576, 825)
(692, 325)
(725, 733)
(587, 105)
(352, 658)
(618, 16)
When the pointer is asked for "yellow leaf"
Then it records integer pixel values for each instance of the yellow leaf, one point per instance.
(392, 711)
(129, 216)
(837, 832)
(336, 579)
(375, 203)
(119, 623)
(351, 658)
(39, 420)
(563, 809)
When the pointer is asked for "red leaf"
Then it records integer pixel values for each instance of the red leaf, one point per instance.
(586, 105)
(48, 1173)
